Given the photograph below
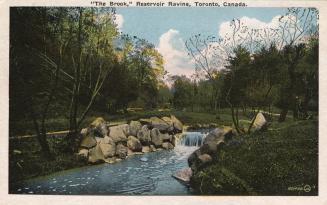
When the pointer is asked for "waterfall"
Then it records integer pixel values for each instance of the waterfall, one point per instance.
(192, 139)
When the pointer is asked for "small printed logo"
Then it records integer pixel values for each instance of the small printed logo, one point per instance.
(306, 188)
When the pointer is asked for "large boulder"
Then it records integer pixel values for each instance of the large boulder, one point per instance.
(259, 122)
(197, 160)
(212, 144)
(183, 175)
(134, 144)
(108, 147)
(215, 139)
(144, 135)
(118, 133)
(156, 137)
(167, 145)
(178, 126)
(169, 121)
(166, 137)
(134, 127)
(99, 127)
(159, 124)
(95, 155)
(121, 151)
(88, 142)
(193, 159)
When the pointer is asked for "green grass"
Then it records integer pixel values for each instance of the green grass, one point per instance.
(280, 161)
(25, 127)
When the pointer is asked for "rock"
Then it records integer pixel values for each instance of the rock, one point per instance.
(129, 152)
(99, 127)
(144, 135)
(166, 137)
(159, 124)
(95, 155)
(173, 140)
(146, 149)
(156, 137)
(193, 158)
(144, 159)
(170, 123)
(197, 160)
(108, 147)
(178, 126)
(134, 144)
(212, 140)
(134, 127)
(83, 154)
(88, 142)
(205, 158)
(183, 175)
(167, 145)
(110, 160)
(121, 151)
(153, 148)
(84, 131)
(259, 122)
(117, 133)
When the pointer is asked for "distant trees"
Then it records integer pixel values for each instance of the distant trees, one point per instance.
(264, 66)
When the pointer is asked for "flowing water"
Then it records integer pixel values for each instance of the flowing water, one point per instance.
(132, 176)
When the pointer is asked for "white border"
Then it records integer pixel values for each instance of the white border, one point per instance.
(6, 198)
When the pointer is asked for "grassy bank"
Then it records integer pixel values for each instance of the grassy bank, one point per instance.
(280, 161)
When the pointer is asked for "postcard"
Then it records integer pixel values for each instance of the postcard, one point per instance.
(174, 100)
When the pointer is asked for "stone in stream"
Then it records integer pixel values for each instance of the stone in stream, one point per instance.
(167, 145)
(118, 133)
(153, 148)
(144, 159)
(121, 151)
(166, 137)
(134, 127)
(144, 135)
(95, 155)
(134, 144)
(216, 138)
(212, 144)
(156, 137)
(146, 149)
(183, 175)
(108, 147)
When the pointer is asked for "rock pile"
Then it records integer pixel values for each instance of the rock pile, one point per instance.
(102, 143)
(215, 140)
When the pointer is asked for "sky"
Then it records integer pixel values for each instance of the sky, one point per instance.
(168, 28)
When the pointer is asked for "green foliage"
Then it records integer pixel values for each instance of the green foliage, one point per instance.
(266, 163)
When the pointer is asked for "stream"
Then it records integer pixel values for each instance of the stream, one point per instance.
(152, 176)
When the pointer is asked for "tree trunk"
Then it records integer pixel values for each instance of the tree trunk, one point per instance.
(41, 136)
(282, 116)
